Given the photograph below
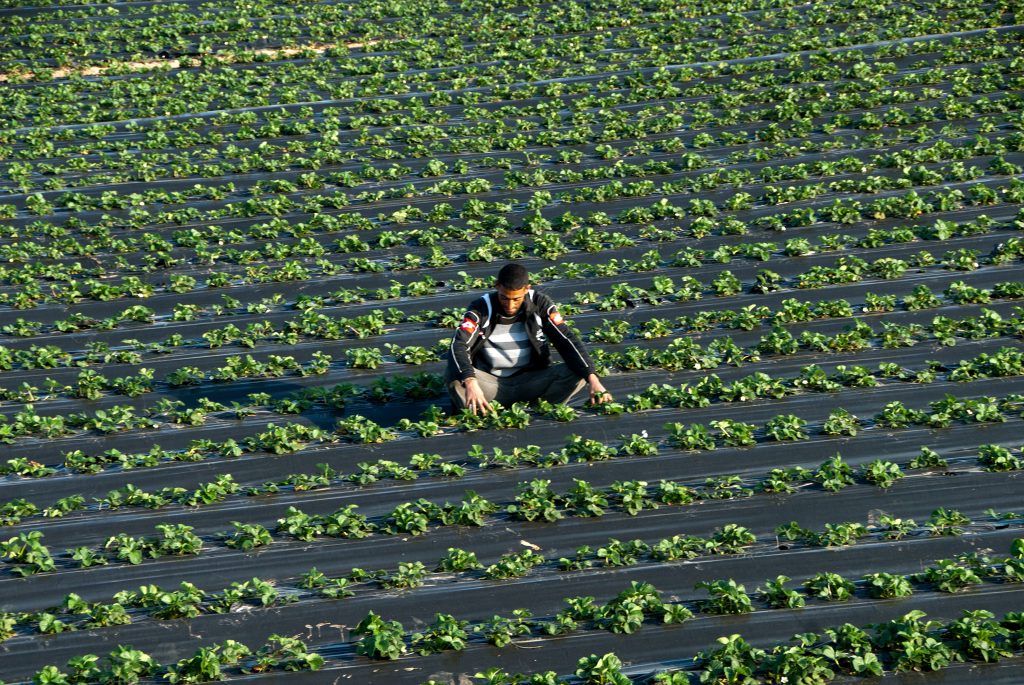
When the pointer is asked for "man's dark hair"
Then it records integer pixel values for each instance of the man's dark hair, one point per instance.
(513, 276)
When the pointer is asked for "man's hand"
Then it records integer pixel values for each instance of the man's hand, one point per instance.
(598, 395)
(475, 400)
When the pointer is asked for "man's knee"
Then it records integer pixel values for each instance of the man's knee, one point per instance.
(565, 384)
(456, 392)
(489, 385)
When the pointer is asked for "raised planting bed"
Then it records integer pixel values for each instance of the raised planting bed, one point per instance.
(235, 241)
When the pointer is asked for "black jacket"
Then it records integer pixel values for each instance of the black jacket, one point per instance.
(543, 323)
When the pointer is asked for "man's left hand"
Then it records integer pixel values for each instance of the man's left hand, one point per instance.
(598, 394)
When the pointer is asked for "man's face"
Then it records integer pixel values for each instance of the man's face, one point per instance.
(511, 300)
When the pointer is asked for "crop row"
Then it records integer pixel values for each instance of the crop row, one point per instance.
(730, 433)
(128, 665)
(267, 124)
(280, 158)
(684, 354)
(681, 354)
(535, 501)
(534, 173)
(278, 205)
(726, 596)
(189, 32)
(299, 125)
(530, 174)
(491, 83)
(627, 612)
(510, 133)
(292, 437)
(903, 644)
(580, 237)
(375, 323)
(278, 202)
(222, 159)
(725, 433)
(699, 147)
(189, 601)
(679, 36)
(207, 243)
(688, 257)
(198, 33)
(30, 294)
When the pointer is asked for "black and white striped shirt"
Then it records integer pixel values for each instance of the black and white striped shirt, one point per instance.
(508, 348)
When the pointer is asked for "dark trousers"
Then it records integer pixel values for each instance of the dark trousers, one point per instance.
(555, 383)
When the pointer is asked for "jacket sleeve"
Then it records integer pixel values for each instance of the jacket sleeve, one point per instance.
(466, 333)
(565, 341)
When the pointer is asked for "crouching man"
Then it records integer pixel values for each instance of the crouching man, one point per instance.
(500, 351)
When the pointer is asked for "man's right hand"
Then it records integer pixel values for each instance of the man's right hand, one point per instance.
(475, 399)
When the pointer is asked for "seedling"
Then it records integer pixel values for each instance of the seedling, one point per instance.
(382, 639)
(778, 596)
(883, 585)
(834, 474)
(727, 597)
(882, 473)
(829, 586)
(248, 536)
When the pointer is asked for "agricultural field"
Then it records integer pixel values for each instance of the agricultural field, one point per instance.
(236, 239)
